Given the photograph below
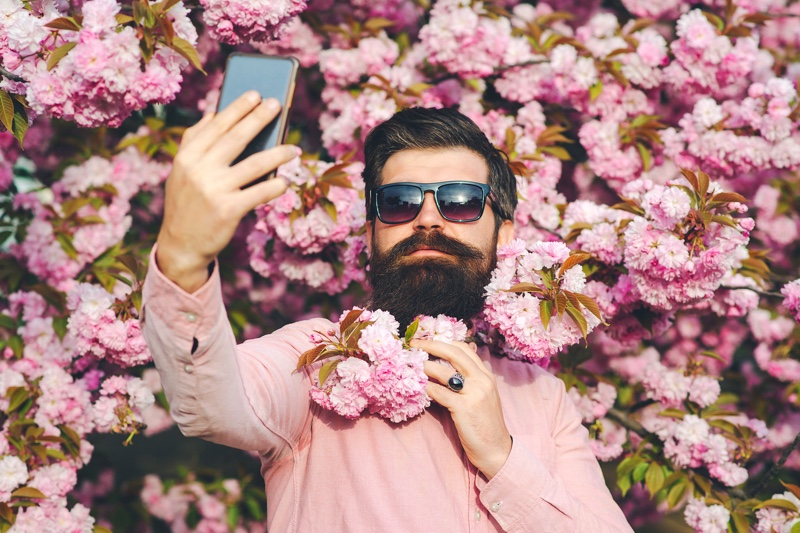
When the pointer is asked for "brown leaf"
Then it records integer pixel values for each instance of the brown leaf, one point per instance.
(28, 492)
(63, 23)
(350, 318)
(561, 303)
(728, 197)
(309, 356)
(703, 183)
(692, 178)
(580, 321)
(574, 259)
(592, 306)
(525, 287)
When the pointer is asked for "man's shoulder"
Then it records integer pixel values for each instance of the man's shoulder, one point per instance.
(295, 334)
(517, 372)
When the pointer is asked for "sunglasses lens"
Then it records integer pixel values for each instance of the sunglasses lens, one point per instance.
(399, 204)
(460, 202)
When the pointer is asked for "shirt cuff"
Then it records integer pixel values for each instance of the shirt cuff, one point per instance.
(189, 315)
(516, 489)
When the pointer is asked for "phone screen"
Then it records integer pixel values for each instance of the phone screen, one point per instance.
(270, 76)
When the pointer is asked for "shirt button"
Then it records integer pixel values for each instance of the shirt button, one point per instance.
(496, 506)
(191, 317)
(189, 369)
(477, 515)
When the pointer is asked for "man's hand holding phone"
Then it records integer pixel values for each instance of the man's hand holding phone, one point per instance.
(205, 199)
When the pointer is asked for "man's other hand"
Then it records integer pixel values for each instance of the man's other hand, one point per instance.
(204, 200)
(476, 410)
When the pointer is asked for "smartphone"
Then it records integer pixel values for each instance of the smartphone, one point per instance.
(270, 76)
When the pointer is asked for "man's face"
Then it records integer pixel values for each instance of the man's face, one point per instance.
(431, 265)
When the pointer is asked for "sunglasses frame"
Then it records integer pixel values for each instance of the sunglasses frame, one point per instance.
(434, 188)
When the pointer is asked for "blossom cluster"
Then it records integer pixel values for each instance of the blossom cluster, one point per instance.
(535, 300)
(380, 372)
(211, 502)
(236, 22)
(93, 73)
(311, 234)
(88, 214)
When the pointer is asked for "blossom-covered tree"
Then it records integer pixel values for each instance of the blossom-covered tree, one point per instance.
(656, 270)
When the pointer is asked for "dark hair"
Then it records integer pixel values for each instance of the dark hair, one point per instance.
(425, 128)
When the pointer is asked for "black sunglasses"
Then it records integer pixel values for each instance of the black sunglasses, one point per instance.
(457, 201)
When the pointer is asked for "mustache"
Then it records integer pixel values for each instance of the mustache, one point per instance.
(434, 240)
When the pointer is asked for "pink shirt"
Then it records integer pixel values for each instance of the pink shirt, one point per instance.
(327, 474)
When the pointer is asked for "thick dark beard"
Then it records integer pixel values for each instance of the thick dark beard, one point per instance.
(453, 286)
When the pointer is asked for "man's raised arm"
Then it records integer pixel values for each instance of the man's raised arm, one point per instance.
(212, 384)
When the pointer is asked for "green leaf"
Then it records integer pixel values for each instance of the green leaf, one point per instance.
(545, 312)
(18, 397)
(639, 472)
(647, 157)
(16, 345)
(59, 53)
(184, 48)
(577, 317)
(233, 517)
(740, 522)
(595, 90)
(6, 111)
(329, 208)
(556, 151)
(778, 503)
(101, 529)
(411, 330)
(714, 355)
(326, 370)
(676, 493)
(654, 478)
(66, 244)
(7, 322)
(796, 528)
(673, 413)
(624, 484)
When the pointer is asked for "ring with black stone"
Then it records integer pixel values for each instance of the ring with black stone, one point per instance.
(456, 382)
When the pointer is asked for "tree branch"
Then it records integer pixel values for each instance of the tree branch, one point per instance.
(775, 468)
(12, 77)
(757, 291)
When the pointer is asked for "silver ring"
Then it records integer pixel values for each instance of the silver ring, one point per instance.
(456, 382)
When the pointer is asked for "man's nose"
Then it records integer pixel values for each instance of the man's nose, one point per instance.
(429, 216)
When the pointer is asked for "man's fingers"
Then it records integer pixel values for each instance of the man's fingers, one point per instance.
(261, 193)
(192, 131)
(441, 395)
(438, 371)
(470, 350)
(235, 140)
(260, 164)
(223, 121)
(449, 352)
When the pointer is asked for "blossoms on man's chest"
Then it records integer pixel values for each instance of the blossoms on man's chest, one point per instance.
(368, 366)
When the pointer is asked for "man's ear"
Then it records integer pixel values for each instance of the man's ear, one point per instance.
(369, 227)
(505, 234)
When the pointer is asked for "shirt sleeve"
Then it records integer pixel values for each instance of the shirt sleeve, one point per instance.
(247, 396)
(568, 496)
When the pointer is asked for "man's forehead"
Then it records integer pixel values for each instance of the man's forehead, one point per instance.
(432, 165)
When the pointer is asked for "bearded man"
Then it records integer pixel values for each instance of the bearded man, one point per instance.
(504, 451)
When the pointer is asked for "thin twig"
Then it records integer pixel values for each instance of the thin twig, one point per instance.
(9, 75)
(773, 470)
(757, 291)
